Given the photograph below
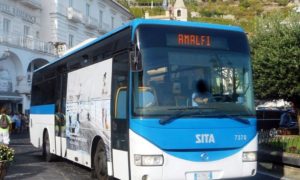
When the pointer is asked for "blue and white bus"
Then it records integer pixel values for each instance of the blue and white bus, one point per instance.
(124, 104)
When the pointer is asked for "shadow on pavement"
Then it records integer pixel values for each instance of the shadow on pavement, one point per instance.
(29, 163)
(24, 171)
(270, 163)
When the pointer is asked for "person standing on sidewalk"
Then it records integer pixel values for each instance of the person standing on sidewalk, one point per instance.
(24, 122)
(288, 119)
(17, 119)
(5, 126)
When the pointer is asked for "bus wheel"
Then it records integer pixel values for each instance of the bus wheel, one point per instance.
(100, 165)
(46, 148)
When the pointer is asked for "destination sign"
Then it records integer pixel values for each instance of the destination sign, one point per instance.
(194, 40)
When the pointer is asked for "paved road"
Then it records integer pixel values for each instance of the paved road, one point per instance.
(29, 165)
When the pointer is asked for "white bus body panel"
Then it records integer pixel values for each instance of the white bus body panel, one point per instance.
(58, 146)
(139, 145)
(175, 168)
(38, 123)
(79, 157)
(61, 146)
(120, 162)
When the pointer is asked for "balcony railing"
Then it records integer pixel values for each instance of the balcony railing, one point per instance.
(24, 88)
(91, 22)
(27, 42)
(74, 15)
(35, 4)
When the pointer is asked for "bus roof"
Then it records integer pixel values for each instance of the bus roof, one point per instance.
(137, 22)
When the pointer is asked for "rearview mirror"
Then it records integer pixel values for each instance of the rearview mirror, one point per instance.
(136, 61)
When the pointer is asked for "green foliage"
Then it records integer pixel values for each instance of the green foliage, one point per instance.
(282, 2)
(244, 11)
(6, 153)
(214, 20)
(192, 6)
(285, 144)
(276, 57)
(247, 25)
(245, 3)
(137, 12)
(140, 12)
(156, 11)
(149, 1)
(124, 3)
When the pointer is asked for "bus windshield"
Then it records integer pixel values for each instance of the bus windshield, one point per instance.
(192, 69)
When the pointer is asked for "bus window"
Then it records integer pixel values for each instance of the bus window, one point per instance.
(121, 104)
(173, 67)
(146, 98)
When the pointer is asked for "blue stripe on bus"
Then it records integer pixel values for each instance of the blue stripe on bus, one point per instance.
(178, 138)
(43, 109)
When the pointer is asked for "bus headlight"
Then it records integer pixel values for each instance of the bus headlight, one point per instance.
(148, 160)
(249, 156)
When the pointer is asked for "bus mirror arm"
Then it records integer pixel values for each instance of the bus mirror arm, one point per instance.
(135, 60)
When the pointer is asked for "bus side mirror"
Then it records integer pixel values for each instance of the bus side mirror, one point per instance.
(136, 61)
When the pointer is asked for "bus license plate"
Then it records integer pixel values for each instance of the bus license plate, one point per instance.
(199, 176)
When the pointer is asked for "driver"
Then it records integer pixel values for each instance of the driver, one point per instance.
(202, 96)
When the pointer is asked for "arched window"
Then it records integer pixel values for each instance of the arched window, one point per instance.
(178, 13)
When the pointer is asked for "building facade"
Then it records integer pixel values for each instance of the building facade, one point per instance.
(66, 23)
(35, 32)
(178, 11)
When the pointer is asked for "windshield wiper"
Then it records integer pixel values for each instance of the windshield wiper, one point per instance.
(183, 112)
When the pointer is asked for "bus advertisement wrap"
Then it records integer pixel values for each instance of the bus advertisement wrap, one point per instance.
(88, 109)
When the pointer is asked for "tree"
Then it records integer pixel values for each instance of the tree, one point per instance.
(282, 2)
(276, 59)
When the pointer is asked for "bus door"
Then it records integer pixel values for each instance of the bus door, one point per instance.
(60, 116)
(119, 128)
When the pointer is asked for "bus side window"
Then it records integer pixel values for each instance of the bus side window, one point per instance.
(121, 104)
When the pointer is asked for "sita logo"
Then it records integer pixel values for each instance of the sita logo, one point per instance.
(205, 138)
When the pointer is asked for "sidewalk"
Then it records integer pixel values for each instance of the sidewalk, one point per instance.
(280, 171)
(279, 157)
(279, 164)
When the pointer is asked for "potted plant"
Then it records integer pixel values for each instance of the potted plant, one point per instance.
(6, 156)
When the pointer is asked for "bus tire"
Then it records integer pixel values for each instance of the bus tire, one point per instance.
(48, 156)
(100, 165)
